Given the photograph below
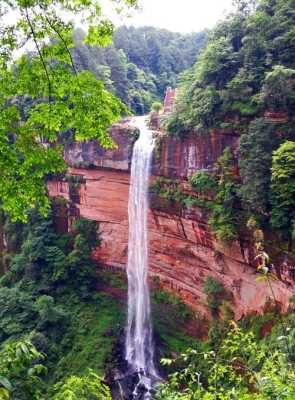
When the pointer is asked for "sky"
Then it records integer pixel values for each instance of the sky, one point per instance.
(175, 15)
(179, 15)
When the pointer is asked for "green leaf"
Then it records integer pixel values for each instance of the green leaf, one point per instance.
(5, 383)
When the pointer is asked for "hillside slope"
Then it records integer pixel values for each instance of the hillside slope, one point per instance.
(141, 63)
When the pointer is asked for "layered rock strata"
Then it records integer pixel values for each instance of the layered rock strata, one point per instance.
(183, 252)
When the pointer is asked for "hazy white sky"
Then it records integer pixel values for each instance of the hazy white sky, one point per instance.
(175, 15)
(180, 15)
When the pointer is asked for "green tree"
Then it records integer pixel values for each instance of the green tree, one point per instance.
(46, 261)
(277, 93)
(140, 64)
(48, 313)
(240, 368)
(203, 182)
(157, 106)
(43, 96)
(256, 148)
(20, 371)
(16, 311)
(283, 187)
(226, 218)
(82, 388)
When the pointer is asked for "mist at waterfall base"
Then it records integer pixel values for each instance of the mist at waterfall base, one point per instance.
(139, 347)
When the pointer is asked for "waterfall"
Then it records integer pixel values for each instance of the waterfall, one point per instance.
(139, 341)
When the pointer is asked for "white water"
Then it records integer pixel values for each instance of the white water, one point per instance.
(139, 341)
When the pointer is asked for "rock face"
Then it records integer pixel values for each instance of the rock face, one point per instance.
(177, 158)
(90, 154)
(183, 252)
(169, 100)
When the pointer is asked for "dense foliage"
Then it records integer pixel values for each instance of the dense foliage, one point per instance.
(241, 368)
(283, 187)
(141, 63)
(53, 316)
(203, 182)
(246, 68)
(61, 316)
(43, 96)
(20, 366)
(244, 81)
(85, 387)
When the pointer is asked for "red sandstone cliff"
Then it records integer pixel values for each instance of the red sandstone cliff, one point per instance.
(183, 251)
(90, 154)
(177, 158)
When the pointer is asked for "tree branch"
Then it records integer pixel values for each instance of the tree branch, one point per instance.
(62, 39)
(42, 61)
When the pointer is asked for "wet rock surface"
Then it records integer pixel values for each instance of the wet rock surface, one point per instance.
(131, 387)
(182, 249)
(124, 383)
(179, 158)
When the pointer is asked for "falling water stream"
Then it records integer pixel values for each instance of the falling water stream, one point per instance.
(139, 340)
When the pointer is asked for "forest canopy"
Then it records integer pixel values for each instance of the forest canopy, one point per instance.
(141, 63)
(246, 68)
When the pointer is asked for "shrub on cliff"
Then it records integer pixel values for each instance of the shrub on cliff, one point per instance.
(227, 218)
(255, 160)
(283, 187)
(203, 182)
(216, 294)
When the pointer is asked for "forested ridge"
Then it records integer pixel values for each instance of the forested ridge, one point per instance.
(141, 63)
(244, 82)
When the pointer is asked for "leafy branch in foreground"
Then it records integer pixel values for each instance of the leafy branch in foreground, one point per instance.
(20, 370)
(85, 387)
(241, 369)
(43, 97)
